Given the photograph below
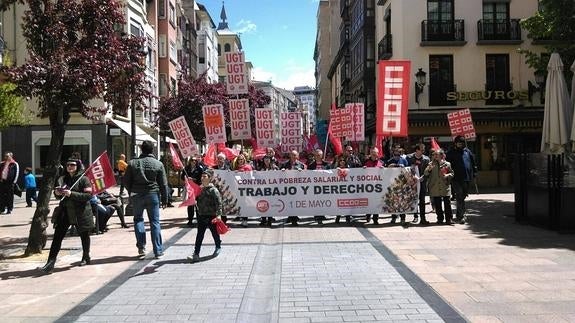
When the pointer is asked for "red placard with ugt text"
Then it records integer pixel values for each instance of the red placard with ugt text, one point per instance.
(461, 124)
(236, 79)
(184, 137)
(265, 134)
(240, 119)
(214, 123)
(290, 124)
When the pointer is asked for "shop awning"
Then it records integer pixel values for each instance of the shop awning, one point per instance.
(126, 127)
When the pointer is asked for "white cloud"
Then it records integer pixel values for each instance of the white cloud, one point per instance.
(290, 78)
(246, 27)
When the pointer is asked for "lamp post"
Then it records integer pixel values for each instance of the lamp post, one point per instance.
(419, 83)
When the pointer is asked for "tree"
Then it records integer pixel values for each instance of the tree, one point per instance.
(12, 112)
(193, 94)
(75, 55)
(554, 27)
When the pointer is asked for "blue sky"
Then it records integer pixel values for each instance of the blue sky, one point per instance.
(278, 37)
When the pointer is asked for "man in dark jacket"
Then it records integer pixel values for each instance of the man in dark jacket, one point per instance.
(147, 184)
(419, 160)
(9, 172)
(465, 169)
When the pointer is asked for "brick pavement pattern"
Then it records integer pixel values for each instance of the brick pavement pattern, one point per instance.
(489, 270)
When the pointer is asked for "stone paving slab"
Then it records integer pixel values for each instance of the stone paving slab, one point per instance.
(275, 279)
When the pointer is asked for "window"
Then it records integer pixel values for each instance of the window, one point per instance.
(227, 48)
(162, 9)
(163, 85)
(440, 10)
(497, 79)
(202, 53)
(440, 80)
(162, 52)
(173, 52)
(219, 50)
(172, 15)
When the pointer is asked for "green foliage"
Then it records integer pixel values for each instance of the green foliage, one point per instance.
(12, 111)
(554, 28)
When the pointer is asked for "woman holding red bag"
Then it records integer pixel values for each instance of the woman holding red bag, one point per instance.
(209, 204)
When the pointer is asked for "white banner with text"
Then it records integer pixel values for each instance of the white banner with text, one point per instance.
(318, 192)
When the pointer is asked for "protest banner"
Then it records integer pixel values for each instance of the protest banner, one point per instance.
(313, 192)
(101, 174)
(335, 122)
(461, 124)
(392, 98)
(236, 79)
(265, 134)
(240, 119)
(291, 134)
(214, 123)
(184, 137)
(346, 122)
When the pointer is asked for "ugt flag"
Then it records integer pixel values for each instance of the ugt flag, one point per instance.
(101, 174)
(192, 190)
(176, 162)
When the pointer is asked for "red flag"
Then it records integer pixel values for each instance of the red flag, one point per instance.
(176, 162)
(230, 153)
(192, 190)
(312, 143)
(210, 158)
(101, 174)
(336, 142)
(378, 145)
(434, 144)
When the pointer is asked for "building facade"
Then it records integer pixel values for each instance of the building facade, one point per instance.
(466, 56)
(305, 98)
(31, 143)
(207, 45)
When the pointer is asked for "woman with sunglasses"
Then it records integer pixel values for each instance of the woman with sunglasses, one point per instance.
(74, 192)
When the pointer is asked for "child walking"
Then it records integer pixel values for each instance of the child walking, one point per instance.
(30, 186)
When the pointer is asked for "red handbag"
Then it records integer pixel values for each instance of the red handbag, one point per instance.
(221, 227)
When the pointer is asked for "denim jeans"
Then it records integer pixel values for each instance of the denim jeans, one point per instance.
(151, 203)
(460, 190)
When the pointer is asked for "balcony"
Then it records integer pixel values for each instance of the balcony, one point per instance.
(344, 37)
(384, 49)
(443, 33)
(493, 32)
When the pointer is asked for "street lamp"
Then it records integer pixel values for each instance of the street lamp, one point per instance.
(419, 84)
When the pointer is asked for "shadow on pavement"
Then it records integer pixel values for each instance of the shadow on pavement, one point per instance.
(152, 267)
(30, 273)
(495, 219)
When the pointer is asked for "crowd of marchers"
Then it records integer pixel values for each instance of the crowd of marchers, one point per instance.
(444, 176)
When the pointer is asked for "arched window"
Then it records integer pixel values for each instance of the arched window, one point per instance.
(227, 47)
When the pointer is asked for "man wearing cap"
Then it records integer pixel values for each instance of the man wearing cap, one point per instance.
(147, 185)
(465, 169)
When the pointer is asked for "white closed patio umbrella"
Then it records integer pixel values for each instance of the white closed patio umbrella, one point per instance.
(558, 114)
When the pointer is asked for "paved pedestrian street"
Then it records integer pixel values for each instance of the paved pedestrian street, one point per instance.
(335, 276)
(491, 269)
